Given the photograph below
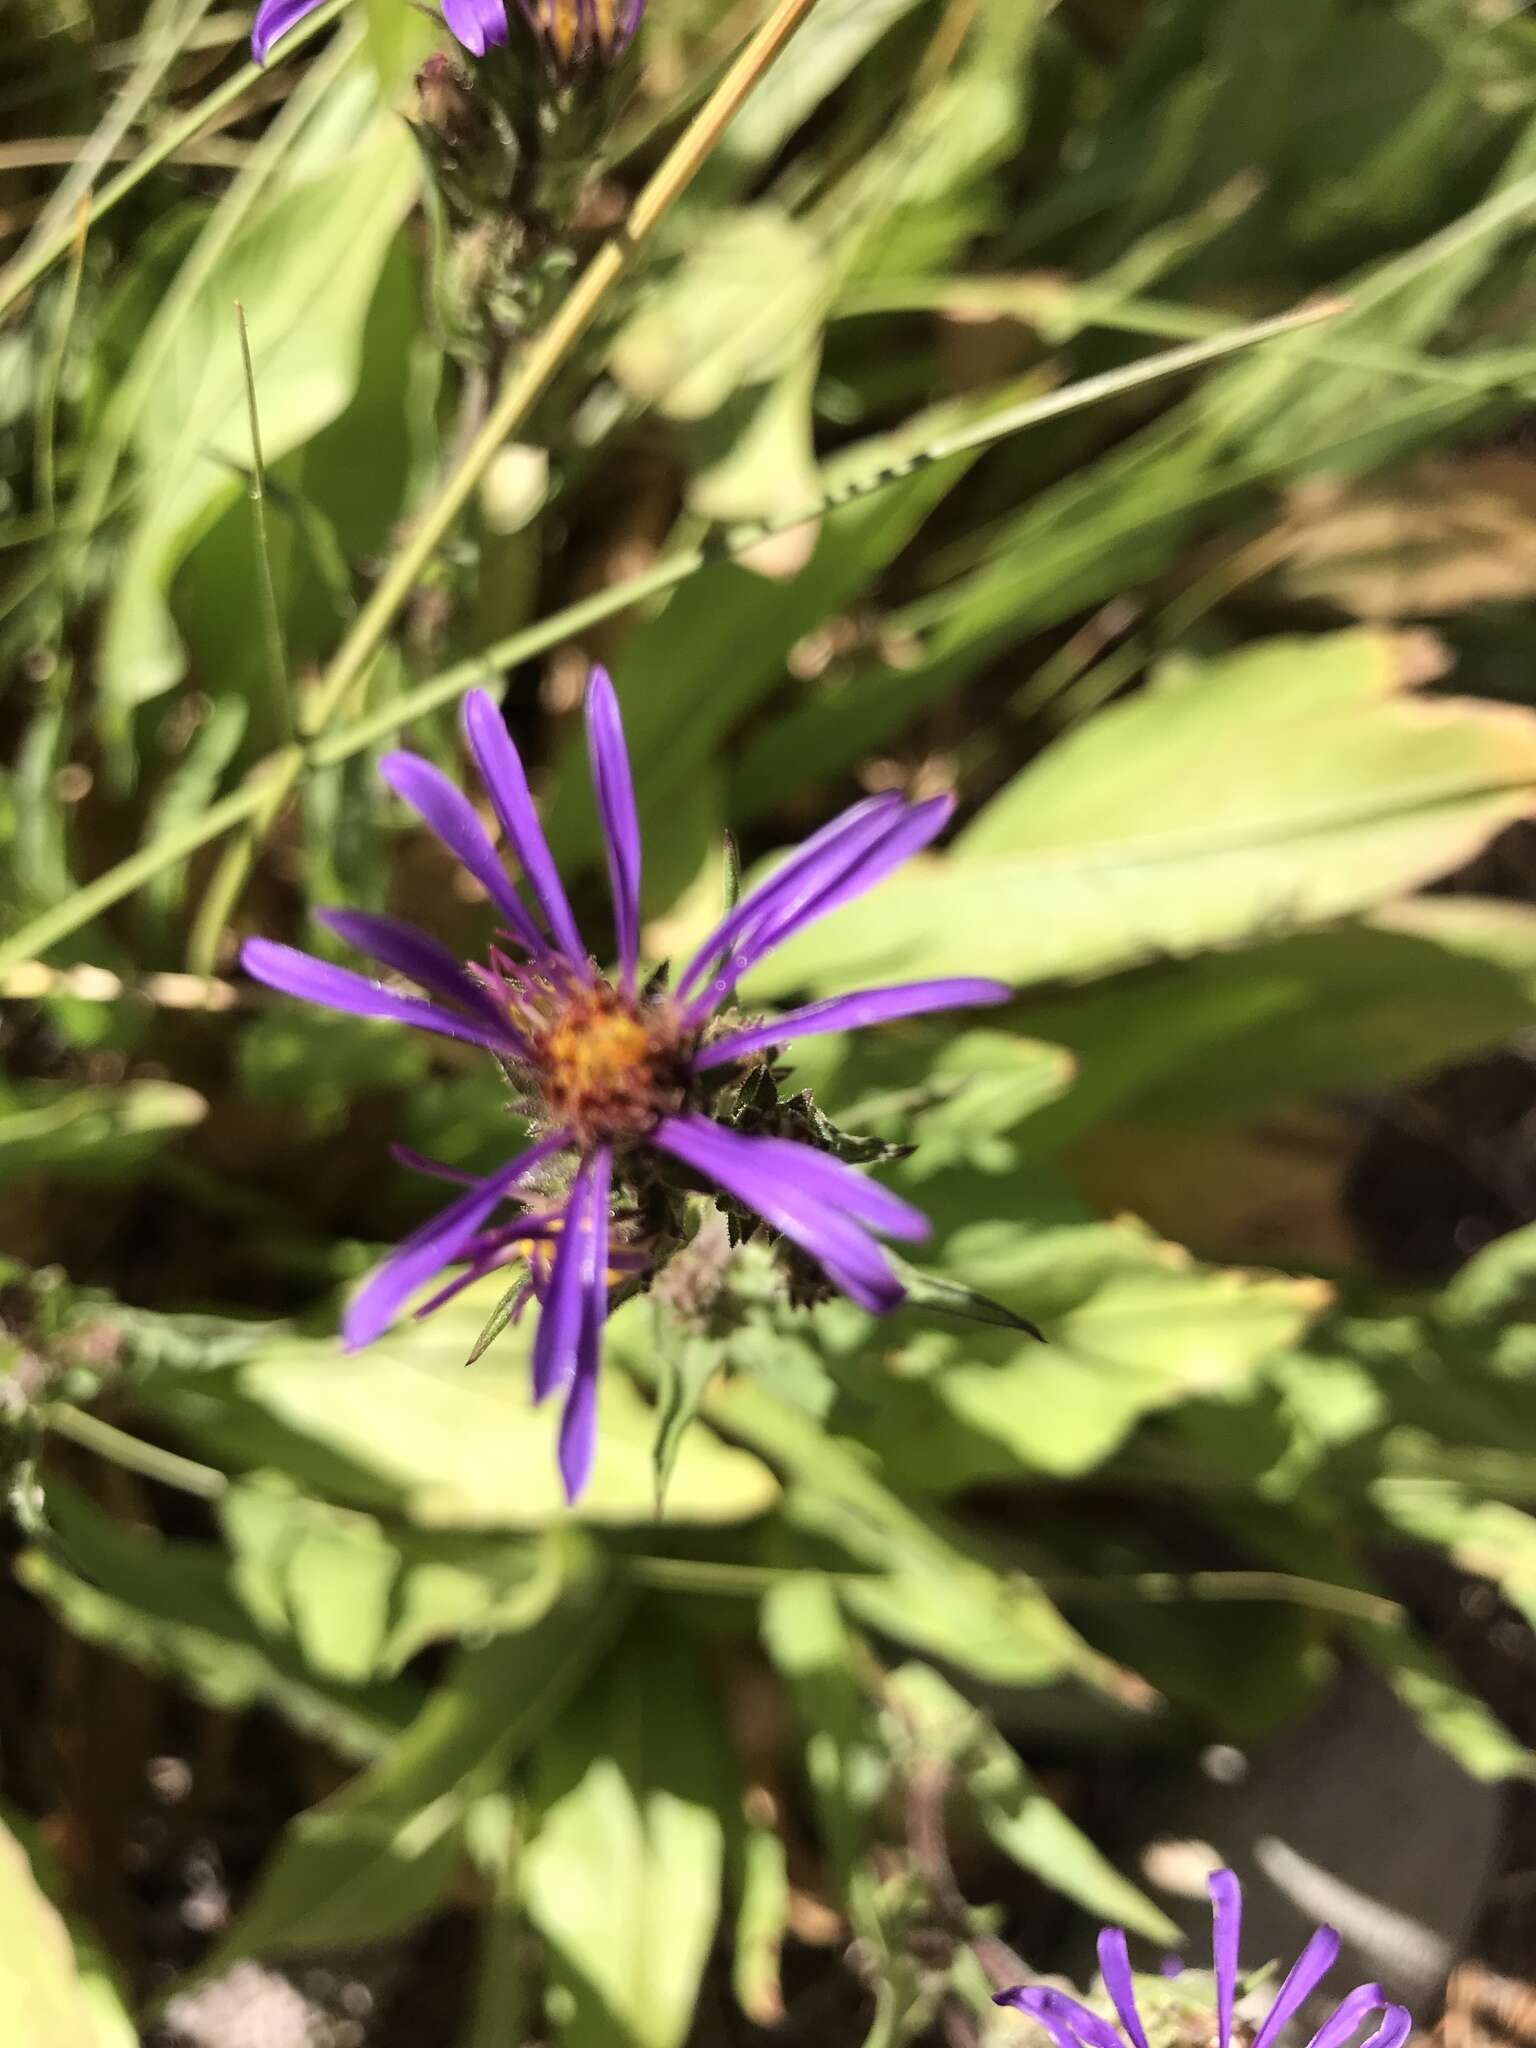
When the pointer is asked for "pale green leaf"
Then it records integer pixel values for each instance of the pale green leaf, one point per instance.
(1324, 785)
(623, 1876)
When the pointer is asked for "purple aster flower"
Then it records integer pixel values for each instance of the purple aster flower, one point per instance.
(1071, 2024)
(476, 23)
(619, 1080)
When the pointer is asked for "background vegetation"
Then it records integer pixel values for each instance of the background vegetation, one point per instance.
(307, 1666)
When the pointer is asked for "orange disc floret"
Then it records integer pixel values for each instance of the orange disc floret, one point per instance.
(606, 1068)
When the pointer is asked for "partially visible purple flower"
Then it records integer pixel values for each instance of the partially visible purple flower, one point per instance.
(578, 31)
(575, 32)
(476, 23)
(1071, 2024)
(611, 1073)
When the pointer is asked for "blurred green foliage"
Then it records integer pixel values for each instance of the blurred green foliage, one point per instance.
(1171, 652)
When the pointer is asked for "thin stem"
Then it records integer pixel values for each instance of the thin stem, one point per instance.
(1051, 305)
(282, 770)
(48, 407)
(272, 625)
(132, 1453)
(20, 276)
(1160, 1589)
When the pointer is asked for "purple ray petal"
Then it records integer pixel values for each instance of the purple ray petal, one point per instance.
(852, 1013)
(805, 869)
(436, 1244)
(847, 871)
(1306, 1973)
(615, 790)
(501, 768)
(902, 838)
(823, 1179)
(1226, 1933)
(456, 1286)
(413, 953)
(557, 1345)
(418, 1162)
(790, 1187)
(1115, 1969)
(1396, 2026)
(578, 1425)
(338, 988)
(1342, 2023)
(476, 23)
(274, 18)
(451, 816)
(1026, 2001)
(1069, 2023)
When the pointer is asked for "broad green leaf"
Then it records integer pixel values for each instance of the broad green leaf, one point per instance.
(1228, 1036)
(1021, 1818)
(1325, 786)
(623, 1875)
(405, 1423)
(304, 265)
(93, 1133)
(359, 1599)
(1132, 1325)
(817, 1657)
(379, 1854)
(41, 1993)
(920, 1583)
(167, 1607)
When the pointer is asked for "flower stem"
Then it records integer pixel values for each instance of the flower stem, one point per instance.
(132, 1453)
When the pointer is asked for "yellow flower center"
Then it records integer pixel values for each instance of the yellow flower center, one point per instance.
(606, 1069)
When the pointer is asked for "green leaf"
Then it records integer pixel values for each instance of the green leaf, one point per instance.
(359, 1600)
(1132, 1325)
(404, 1424)
(1487, 1537)
(92, 1133)
(1228, 1036)
(1022, 1819)
(380, 1853)
(922, 1585)
(814, 1653)
(1326, 785)
(44, 2000)
(168, 1607)
(623, 1876)
(304, 265)
(690, 1363)
(954, 1298)
(762, 1920)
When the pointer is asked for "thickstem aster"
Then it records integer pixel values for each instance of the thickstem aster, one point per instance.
(476, 23)
(1071, 2024)
(622, 1082)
